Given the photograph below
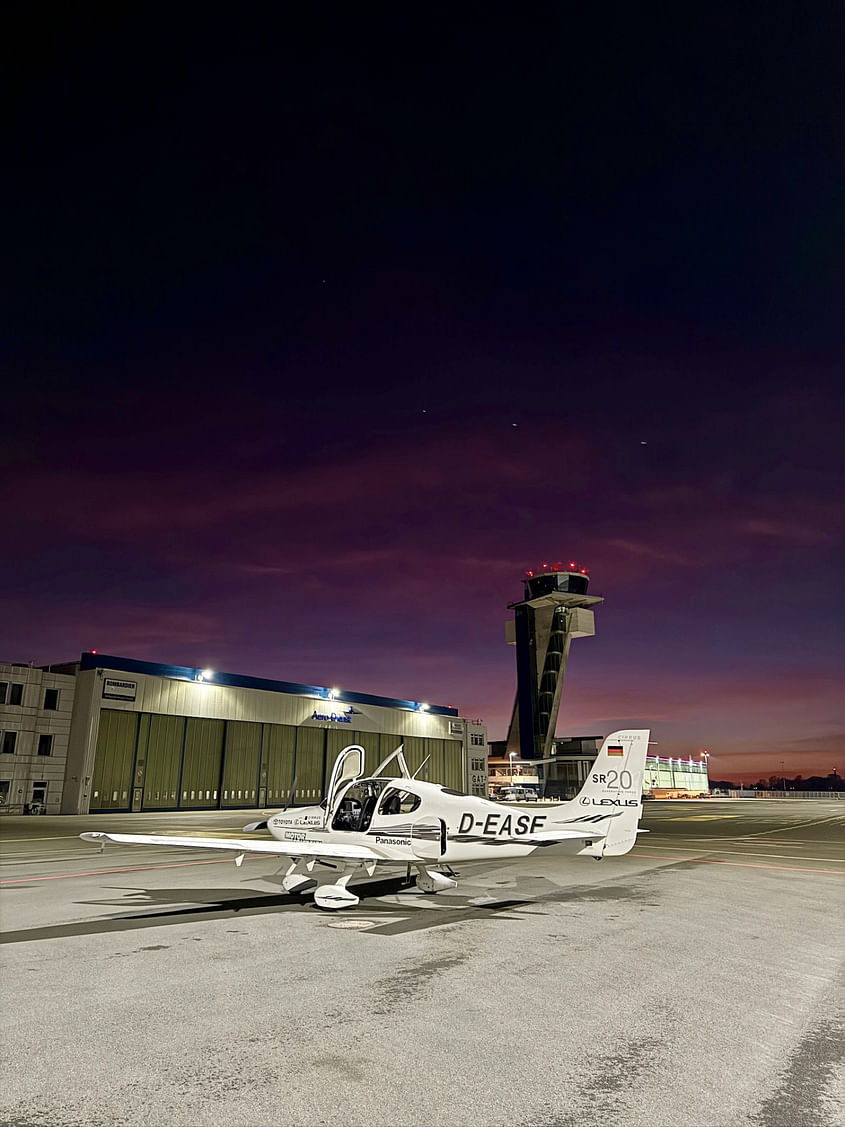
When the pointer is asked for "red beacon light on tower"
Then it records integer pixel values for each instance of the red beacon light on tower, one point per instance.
(571, 567)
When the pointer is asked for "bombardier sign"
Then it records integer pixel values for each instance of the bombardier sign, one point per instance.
(119, 690)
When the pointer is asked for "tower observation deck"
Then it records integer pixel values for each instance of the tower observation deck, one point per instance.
(555, 609)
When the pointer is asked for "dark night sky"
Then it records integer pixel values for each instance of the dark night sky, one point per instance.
(324, 325)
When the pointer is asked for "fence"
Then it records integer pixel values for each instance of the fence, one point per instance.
(833, 794)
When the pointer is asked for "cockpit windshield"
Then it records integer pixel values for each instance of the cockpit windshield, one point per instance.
(356, 807)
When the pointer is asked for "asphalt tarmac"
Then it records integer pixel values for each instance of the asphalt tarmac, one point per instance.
(696, 982)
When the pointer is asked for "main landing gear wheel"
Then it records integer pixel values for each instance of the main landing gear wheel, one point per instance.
(332, 897)
(431, 881)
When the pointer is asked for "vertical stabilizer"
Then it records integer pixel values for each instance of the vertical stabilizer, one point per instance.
(612, 796)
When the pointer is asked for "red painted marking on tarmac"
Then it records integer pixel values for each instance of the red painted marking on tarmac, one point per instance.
(746, 864)
(107, 872)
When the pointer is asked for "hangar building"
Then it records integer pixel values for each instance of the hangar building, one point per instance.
(140, 736)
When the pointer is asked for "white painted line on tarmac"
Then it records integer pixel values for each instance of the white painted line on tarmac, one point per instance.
(795, 825)
(749, 853)
(742, 864)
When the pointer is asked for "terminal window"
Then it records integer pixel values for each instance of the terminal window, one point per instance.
(7, 744)
(51, 699)
(45, 745)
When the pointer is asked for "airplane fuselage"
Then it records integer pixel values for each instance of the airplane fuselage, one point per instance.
(455, 827)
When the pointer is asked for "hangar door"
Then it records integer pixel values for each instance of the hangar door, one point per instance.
(279, 744)
(201, 764)
(436, 760)
(114, 760)
(310, 764)
(160, 759)
(240, 771)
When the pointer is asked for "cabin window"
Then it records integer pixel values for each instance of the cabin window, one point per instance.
(395, 801)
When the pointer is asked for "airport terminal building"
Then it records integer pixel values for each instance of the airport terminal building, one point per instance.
(109, 733)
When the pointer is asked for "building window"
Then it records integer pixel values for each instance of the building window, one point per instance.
(4, 688)
(51, 699)
(45, 745)
(7, 744)
(4, 792)
(15, 694)
(476, 739)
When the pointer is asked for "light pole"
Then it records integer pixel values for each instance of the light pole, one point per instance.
(783, 776)
(705, 755)
(512, 757)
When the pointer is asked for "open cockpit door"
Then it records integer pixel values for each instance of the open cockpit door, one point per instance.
(349, 765)
(400, 759)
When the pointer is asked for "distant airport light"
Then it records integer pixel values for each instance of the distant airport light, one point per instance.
(205, 675)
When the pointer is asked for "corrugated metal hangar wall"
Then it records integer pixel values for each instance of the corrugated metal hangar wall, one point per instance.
(150, 737)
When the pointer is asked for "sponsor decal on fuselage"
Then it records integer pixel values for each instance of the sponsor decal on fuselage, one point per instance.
(313, 821)
(609, 802)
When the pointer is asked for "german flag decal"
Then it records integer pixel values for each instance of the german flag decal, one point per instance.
(615, 750)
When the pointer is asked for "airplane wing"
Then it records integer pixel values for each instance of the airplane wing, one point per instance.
(238, 845)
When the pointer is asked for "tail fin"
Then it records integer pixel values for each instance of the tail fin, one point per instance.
(612, 796)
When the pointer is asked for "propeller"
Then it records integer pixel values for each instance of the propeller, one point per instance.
(254, 826)
(289, 801)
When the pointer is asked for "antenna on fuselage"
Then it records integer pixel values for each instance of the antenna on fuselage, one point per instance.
(421, 767)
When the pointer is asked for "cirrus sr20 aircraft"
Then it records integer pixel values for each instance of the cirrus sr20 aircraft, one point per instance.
(401, 822)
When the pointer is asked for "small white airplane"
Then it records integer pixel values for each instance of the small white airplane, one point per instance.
(403, 822)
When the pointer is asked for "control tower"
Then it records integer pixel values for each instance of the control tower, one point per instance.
(555, 609)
